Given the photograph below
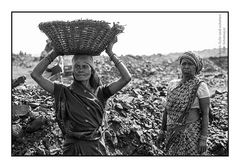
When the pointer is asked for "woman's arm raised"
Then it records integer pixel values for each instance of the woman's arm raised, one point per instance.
(40, 68)
(125, 75)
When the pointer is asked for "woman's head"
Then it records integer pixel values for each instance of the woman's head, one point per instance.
(83, 70)
(190, 63)
(82, 67)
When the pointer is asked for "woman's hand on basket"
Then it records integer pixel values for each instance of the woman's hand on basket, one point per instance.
(49, 47)
(110, 46)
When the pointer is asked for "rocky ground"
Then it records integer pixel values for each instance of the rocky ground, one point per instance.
(134, 113)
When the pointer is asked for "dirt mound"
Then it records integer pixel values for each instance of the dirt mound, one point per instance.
(221, 62)
(134, 113)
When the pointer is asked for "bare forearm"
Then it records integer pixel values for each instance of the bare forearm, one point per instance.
(39, 69)
(125, 75)
(205, 120)
(43, 64)
(204, 105)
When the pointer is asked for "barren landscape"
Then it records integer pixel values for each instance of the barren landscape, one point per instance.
(134, 114)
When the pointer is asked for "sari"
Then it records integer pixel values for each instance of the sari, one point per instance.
(80, 115)
(182, 138)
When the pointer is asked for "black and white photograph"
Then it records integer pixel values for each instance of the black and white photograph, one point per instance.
(120, 83)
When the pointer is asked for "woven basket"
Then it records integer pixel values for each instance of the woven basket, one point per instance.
(86, 37)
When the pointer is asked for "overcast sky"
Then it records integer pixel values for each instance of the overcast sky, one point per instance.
(145, 33)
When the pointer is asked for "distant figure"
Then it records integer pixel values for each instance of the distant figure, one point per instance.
(80, 107)
(54, 70)
(185, 120)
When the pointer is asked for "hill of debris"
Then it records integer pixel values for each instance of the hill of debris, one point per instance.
(134, 114)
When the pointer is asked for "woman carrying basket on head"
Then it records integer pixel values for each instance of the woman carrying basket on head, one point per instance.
(185, 120)
(80, 107)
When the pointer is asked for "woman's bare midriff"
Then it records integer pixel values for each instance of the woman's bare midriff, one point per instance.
(193, 115)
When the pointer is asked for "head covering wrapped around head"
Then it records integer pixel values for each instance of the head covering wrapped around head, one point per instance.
(193, 58)
(84, 58)
(94, 79)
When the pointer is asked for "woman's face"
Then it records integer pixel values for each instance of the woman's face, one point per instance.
(188, 67)
(81, 70)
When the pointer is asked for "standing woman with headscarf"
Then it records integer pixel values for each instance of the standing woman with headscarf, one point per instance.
(80, 107)
(185, 120)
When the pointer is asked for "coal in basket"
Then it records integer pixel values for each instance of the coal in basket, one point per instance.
(80, 37)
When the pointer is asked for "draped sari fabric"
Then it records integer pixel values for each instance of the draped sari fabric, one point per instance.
(182, 137)
(80, 116)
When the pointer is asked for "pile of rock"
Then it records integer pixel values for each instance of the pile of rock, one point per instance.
(134, 114)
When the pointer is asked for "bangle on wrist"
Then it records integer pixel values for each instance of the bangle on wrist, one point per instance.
(48, 59)
(117, 63)
(111, 56)
(115, 60)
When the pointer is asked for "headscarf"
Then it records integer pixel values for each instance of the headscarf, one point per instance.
(94, 79)
(193, 58)
(84, 58)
